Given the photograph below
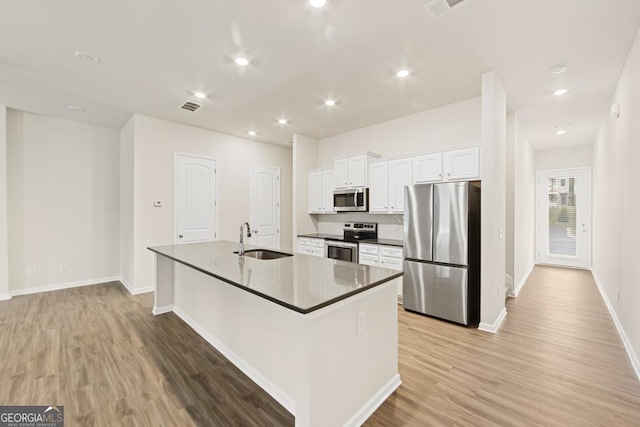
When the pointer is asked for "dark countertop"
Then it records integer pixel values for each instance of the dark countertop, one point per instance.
(322, 236)
(300, 282)
(387, 242)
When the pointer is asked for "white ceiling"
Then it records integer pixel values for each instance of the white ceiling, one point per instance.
(155, 53)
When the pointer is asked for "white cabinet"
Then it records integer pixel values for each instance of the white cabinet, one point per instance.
(304, 245)
(317, 248)
(320, 194)
(382, 256)
(379, 187)
(427, 168)
(315, 192)
(309, 246)
(399, 177)
(386, 185)
(351, 172)
(462, 164)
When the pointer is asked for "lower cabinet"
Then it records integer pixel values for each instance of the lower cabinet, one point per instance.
(309, 246)
(382, 256)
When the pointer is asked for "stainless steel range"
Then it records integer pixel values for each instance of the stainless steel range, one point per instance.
(346, 248)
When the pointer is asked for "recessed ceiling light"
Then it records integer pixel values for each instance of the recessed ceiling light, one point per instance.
(561, 132)
(317, 3)
(242, 61)
(200, 95)
(86, 56)
(560, 92)
(330, 102)
(283, 121)
(559, 69)
(76, 108)
(252, 133)
(403, 73)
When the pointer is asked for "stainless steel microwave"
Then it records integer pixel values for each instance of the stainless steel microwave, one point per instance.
(352, 200)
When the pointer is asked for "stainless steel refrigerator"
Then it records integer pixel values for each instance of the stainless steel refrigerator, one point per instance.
(442, 251)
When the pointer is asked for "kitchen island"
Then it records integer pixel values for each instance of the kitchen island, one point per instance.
(319, 335)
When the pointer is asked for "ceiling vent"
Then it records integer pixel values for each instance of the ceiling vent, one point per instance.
(439, 8)
(191, 106)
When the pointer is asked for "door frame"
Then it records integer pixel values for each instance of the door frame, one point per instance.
(177, 154)
(588, 212)
(252, 189)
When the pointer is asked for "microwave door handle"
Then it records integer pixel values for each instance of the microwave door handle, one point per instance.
(355, 199)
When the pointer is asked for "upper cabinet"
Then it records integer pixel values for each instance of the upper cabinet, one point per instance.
(351, 172)
(320, 195)
(386, 185)
(427, 168)
(462, 164)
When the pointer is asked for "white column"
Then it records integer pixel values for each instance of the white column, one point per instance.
(4, 246)
(493, 209)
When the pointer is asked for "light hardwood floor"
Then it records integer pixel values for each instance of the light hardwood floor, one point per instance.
(557, 360)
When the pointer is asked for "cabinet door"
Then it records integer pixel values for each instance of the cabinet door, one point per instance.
(427, 168)
(358, 171)
(462, 164)
(315, 192)
(392, 263)
(368, 260)
(378, 187)
(328, 185)
(341, 173)
(304, 245)
(399, 177)
(317, 252)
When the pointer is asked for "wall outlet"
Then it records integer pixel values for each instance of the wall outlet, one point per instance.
(361, 323)
(618, 294)
(501, 233)
(64, 267)
(500, 294)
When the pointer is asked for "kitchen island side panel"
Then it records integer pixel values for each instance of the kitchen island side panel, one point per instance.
(315, 365)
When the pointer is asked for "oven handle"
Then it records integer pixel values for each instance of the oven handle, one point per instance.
(340, 244)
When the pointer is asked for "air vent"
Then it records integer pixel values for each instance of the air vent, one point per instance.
(439, 8)
(191, 106)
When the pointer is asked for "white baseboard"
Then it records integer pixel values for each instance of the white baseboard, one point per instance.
(282, 398)
(493, 327)
(5, 297)
(162, 310)
(135, 291)
(60, 286)
(625, 339)
(374, 403)
(520, 284)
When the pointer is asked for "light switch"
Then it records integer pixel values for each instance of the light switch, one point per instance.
(157, 203)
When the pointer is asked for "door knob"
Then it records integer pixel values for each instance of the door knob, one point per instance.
(180, 236)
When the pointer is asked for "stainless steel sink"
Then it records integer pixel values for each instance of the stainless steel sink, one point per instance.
(264, 254)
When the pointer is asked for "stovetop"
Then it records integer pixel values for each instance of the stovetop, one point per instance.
(356, 231)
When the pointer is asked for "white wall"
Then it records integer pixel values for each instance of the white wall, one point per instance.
(520, 204)
(63, 201)
(564, 158)
(156, 141)
(127, 135)
(454, 124)
(4, 245)
(616, 208)
(493, 210)
(305, 158)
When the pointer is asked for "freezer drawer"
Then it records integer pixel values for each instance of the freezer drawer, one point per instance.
(437, 290)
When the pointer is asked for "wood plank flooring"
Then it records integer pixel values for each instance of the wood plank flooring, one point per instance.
(557, 360)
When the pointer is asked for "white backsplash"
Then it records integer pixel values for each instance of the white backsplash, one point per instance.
(389, 226)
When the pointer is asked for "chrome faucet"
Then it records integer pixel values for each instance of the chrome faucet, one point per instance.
(241, 248)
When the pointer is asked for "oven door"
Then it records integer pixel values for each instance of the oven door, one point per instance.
(341, 250)
(355, 200)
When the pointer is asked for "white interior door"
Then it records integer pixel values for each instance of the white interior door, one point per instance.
(195, 198)
(564, 217)
(265, 206)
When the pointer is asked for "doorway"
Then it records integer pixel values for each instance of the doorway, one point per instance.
(563, 217)
(265, 206)
(195, 193)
